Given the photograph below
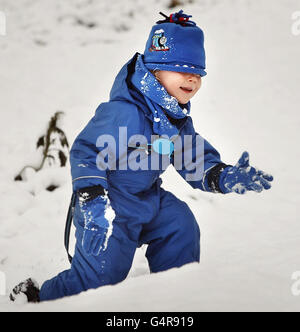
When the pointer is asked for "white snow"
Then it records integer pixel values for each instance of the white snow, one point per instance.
(64, 56)
(159, 31)
(110, 216)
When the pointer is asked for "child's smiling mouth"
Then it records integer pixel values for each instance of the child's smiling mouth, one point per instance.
(186, 89)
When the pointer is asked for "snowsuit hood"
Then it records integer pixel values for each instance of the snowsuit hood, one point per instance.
(120, 88)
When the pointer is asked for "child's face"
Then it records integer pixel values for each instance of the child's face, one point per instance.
(182, 86)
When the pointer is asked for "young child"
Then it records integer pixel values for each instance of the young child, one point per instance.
(120, 204)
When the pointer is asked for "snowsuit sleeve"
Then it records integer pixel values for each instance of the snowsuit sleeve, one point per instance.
(86, 149)
(199, 163)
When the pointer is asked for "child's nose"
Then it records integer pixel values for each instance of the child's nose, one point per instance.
(192, 77)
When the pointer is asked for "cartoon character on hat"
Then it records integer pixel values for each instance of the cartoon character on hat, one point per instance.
(159, 41)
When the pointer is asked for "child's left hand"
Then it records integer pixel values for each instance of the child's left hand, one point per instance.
(242, 177)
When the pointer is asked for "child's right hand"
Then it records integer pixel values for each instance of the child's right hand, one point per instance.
(243, 177)
(92, 207)
(94, 236)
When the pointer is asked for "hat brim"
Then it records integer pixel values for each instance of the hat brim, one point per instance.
(177, 68)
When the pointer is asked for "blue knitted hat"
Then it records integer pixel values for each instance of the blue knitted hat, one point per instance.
(176, 44)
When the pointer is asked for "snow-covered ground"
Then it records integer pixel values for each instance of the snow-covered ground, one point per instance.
(64, 55)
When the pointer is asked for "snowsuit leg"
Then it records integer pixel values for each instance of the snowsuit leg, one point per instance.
(86, 272)
(173, 239)
(173, 236)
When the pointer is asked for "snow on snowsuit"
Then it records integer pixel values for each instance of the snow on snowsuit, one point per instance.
(145, 213)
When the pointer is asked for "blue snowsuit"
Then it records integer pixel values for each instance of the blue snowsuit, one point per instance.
(145, 212)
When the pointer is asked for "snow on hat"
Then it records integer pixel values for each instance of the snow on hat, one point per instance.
(176, 44)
